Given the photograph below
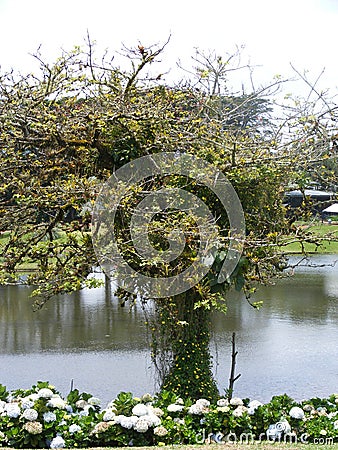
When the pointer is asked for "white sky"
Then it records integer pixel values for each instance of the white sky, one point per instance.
(274, 32)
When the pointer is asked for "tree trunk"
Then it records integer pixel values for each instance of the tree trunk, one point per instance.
(190, 373)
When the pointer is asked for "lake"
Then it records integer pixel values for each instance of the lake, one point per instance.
(289, 346)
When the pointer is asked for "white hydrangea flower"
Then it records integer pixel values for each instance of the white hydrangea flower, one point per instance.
(101, 427)
(30, 414)
(158, 412)
(45, 393)
(140, 410)
(239, 411)
(121, 418)
(134, 419)
(223, 402)
(117, 419)
(125, 422)
(236, 401)
(203, 403)
(150, 409)
(13, 410)
(49, 417)
(33, 427)
(108, 415)
(57, 442)
(253, 405)
(296, 413)
(94, 401)
(223, 409)
(179, 421)
(141, 425)
(335, 425)
(175, 408)
(111, 405)
(26, 403)
(57, 402)
(153, 420)
(156, 420)
(160, 431)
(200, 407)
(195, 409)
(179, 401)
(74, 428)
(80, 404)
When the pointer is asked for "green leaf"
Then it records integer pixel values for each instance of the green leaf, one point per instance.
(3, 392)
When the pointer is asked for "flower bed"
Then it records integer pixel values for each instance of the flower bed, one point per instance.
(40, 417)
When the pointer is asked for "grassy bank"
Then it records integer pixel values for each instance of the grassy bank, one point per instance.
(28, 265)
(326, 234)
(254, 446)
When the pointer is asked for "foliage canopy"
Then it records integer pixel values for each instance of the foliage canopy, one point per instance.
(65, 131)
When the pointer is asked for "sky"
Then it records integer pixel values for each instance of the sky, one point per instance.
(274, 33)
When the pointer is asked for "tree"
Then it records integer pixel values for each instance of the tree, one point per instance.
(65, 132)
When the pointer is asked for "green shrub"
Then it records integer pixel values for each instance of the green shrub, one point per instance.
(40, 417)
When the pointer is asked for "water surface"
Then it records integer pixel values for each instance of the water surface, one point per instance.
(289, 345)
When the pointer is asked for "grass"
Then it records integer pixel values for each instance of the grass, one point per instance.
(327, 234)
(254, 446)
(28, 265)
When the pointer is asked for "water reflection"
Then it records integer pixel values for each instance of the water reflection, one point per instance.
(291, 344)
(87, 320)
